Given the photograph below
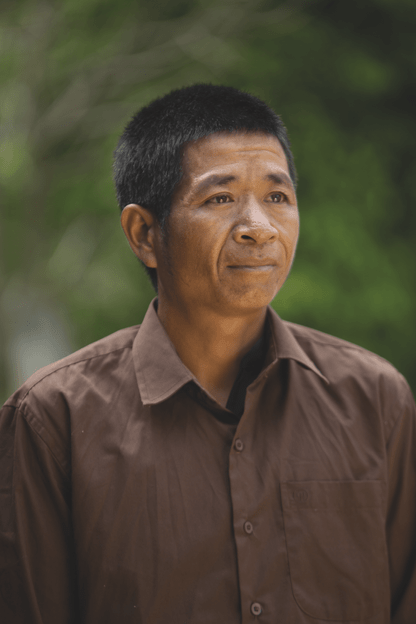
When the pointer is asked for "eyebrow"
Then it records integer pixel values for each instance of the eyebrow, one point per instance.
(213, 180)
(280, 178)
(219, 180)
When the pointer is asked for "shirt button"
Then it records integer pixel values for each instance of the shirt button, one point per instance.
(256, 608)
(248, 527)
(238, 445)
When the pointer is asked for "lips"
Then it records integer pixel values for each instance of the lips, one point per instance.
(259, 269)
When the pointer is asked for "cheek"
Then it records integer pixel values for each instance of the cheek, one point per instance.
(291, 231)
(196, 243)
(188, 252)
(295, 234)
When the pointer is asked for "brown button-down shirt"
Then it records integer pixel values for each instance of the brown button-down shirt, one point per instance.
(128, 495)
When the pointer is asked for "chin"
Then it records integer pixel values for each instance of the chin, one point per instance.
(255, 299)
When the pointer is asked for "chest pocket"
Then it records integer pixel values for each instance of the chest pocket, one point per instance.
(336, 548)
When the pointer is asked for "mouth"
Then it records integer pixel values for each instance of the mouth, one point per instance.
(253, 267)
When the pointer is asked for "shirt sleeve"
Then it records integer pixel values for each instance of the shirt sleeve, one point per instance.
(401, 513)
(37, 560)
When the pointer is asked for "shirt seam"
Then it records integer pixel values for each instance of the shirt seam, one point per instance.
(338, 343)
(34, 430)
(400, 412)
(351, 347)
(17, 405)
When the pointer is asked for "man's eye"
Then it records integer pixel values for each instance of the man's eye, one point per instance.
(278, 198)
(219, 199)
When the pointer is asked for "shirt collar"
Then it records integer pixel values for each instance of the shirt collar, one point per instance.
(285, 346)
(160, 372)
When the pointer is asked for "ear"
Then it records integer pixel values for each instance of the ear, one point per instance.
(139, 226)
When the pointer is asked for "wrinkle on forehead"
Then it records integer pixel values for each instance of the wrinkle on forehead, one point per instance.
(223, 142)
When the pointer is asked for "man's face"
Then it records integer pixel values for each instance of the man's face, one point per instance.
(233, 226)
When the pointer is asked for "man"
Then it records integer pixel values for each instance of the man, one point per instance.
(215, 464)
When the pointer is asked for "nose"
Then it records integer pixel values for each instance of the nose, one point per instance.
(254, 225)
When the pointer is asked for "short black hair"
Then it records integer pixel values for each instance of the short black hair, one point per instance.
(147, 160)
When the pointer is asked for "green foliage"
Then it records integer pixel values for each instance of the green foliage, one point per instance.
(71, 74)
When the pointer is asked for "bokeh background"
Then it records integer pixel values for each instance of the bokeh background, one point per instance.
(341, 74)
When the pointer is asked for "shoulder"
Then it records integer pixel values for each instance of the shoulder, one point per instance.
(83, 367)
(351, 367)
(338, 353)
(71, 392)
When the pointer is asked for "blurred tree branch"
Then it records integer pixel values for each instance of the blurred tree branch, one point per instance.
(72, 73)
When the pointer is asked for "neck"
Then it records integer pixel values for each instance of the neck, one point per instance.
(211, 346)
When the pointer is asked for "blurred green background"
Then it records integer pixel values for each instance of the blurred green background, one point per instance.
(341, 74)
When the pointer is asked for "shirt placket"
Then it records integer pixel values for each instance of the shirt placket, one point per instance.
(247, 529)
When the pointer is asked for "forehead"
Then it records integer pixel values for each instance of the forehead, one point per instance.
(220, 150)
